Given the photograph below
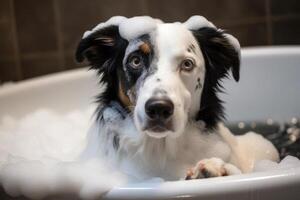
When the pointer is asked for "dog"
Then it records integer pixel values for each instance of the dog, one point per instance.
(159, 114)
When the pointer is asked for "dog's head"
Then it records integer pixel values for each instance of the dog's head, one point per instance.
(166, 74)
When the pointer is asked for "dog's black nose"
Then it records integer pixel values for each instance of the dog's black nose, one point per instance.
(159, 109)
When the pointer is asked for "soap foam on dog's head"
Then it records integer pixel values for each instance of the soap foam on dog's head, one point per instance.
(129, 28)
(134, 27)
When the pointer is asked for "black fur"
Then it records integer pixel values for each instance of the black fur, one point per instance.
(105, 51)
(106, 57)
(220, 56)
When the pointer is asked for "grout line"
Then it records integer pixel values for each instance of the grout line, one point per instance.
(253, 20)
(145, 7)
(4, 21)
(269, 22)
(59, 34)
(285, 17)
(15, 40)
(70, 52)
(36, 55)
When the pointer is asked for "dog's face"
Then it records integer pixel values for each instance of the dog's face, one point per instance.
(168, 89)
(166, 76)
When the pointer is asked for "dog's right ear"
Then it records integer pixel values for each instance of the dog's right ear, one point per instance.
(101, 47)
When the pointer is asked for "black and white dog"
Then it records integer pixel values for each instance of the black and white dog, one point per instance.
(159, 114)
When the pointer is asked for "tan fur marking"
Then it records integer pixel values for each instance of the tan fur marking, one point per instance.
(123, 97)
(108, 41)
(145, 48)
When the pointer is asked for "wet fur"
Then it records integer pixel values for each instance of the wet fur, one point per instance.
(118, 137)
(219, 57)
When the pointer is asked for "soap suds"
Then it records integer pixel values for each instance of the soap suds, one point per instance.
(289, 162)
(38, 179)
(62, 139)
(137, 26)
(234, 42)
(113, 21)
(196, 22)
(44, 147)
(131, 28)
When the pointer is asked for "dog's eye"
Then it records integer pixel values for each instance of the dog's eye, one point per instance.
(135, 62)
(187, 65)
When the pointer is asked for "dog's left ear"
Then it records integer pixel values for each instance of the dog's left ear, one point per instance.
(221, 51)
(101, 48)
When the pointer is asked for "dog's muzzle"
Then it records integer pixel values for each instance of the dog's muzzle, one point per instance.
(159, 112)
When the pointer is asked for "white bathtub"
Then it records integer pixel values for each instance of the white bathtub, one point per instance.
(269, 87)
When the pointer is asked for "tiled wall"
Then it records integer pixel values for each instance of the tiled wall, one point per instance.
(39, 36)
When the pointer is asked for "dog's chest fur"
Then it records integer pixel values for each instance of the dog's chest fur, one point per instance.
(143, 157)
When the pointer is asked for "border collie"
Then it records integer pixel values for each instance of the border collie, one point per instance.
(159, 114)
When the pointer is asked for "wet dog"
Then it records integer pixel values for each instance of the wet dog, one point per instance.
(159, 114)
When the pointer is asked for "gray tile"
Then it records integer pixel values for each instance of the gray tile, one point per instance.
(70, 62)
(286, 7)
(6, 41)
(286, 32)
(128, 8)
(5, 11)
(78, 16)
(213, 9)
(40, 65)
(249, 34)
(35, 26)
(8, 71)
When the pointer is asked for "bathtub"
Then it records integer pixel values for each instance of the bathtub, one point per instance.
(269, 88)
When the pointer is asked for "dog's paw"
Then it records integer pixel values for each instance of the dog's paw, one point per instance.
(212, 167)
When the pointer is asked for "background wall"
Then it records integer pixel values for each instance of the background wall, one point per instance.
(40, 36)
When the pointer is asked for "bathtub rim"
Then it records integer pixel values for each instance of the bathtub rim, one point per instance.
(212, 187)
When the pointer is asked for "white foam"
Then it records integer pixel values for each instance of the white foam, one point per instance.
(288, 162)
(134, 27)
(38, 179)
(234, 42)
(196, 22)
(137, 26)
(44, 147)
(113, 21)
(131, 28)
(63, 138)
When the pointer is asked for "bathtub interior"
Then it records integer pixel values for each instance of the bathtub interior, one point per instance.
(269, 88)
(62, 92)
